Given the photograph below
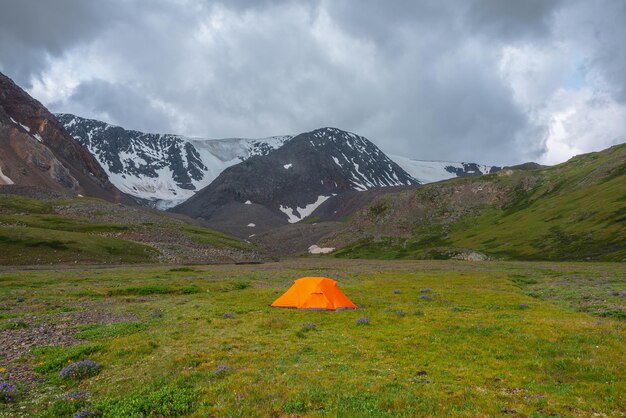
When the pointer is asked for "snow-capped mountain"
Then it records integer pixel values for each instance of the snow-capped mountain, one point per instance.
(162, 169)
(290, 183)
(165, 170)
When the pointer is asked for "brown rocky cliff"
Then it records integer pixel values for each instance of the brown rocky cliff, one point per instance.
(80, 164)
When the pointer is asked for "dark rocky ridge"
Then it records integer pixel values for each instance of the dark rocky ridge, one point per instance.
(324, 162)
(110, 142)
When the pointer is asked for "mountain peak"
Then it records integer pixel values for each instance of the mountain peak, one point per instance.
(335, 135)
(290, 183)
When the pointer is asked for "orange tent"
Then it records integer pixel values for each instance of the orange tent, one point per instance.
(314, 293)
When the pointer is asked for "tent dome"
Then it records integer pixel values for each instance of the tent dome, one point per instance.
(314, 293)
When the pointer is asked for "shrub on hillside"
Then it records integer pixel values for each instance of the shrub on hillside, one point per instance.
(8, 392)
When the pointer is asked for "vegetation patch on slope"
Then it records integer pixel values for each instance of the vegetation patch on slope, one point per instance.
(60, 229)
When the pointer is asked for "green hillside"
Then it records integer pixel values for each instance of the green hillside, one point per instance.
(85, 230)
(572, 211)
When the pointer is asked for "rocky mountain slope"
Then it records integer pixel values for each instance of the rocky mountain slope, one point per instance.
(290, 183)
(165, 170)
(572, 211)
(35, 149)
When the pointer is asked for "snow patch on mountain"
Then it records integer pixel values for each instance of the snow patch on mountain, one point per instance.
(298, 214)
(432, 171)
(316, 249)
(5, 180)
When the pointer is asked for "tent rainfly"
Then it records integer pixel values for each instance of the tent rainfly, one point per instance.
(314, 293)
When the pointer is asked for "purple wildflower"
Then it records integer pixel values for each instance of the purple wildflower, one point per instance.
(363, 321)
(86, 413)
(425, 290)
(221, 370)
(400, 312)
(424, 297)
(8, 392)
(77, 395)
(79, 370)
(228, 315)
(396, 291)
(523, 306)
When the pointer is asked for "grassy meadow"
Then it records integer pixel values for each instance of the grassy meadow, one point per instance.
(445, 338)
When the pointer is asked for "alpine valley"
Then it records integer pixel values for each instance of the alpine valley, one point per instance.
(182, 199)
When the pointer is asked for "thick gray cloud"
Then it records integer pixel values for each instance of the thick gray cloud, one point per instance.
(33, 31)
(482, 80)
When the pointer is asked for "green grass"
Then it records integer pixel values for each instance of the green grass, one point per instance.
(51, 359)
(496, 336)
(61, 223)
(12, 325)
(212, 237)
(23, 205)
(27, 245)
(104, 331)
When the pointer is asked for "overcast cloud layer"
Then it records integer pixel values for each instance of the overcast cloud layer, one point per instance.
(492, 81)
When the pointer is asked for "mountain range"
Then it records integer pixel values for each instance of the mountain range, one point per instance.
(164, 170)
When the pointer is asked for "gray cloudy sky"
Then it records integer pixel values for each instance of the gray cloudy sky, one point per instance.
(492, 81)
